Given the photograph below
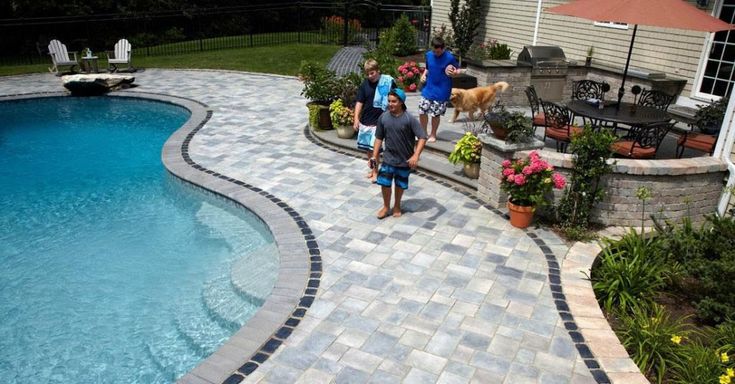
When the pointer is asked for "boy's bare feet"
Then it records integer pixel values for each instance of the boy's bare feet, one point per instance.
(432, 139)
(383, 213)
(396, 212)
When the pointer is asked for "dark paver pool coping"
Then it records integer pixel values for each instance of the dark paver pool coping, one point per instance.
(300, 265)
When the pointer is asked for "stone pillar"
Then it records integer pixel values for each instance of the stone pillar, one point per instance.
(494, 152)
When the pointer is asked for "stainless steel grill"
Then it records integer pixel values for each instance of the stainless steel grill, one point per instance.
(549, 67)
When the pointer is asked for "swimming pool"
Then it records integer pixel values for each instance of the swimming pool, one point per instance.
(113, 270)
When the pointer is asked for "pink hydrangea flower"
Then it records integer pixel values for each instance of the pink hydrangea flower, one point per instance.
(409, 74)
(412, 87)
(559, 181)
(506, 163)
(527, 170)
(508, 171)
(520, 180)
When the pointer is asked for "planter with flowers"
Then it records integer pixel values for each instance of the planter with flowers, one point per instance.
(342, 119)
(468, 151)
(528, 182)
(409, 76)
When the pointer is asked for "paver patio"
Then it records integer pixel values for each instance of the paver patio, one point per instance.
(447, 293)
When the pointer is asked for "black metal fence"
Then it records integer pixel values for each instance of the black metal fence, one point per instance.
(25, 41)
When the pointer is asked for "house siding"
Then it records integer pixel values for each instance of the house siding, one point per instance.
(671, 51)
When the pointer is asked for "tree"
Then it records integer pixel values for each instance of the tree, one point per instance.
(465, 21)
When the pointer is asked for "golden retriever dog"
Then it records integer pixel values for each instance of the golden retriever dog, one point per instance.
(470, 100)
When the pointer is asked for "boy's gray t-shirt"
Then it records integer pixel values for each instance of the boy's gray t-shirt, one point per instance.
(399, 135)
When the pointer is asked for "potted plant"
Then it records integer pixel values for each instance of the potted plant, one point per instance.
(409, 76)
(342, 119)
(709, 117)
(319, 88)
(468, 150)
(527, 182)
(495, 118)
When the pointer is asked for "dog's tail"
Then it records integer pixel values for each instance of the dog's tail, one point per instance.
(501, 86)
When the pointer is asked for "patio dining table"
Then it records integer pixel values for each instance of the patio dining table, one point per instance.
(614, 113)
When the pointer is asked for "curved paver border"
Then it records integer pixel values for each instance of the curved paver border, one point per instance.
(554, 273)
(300, 268)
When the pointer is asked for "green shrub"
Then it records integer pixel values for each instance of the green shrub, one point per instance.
(346, 87)
(387, 62)
(465, 21)
(591, 150)
(696, 364)
(709, 255)
(630, 273)
(648, 334)
(404, 35)
(724, 335)
(489, 51)
(319, 82)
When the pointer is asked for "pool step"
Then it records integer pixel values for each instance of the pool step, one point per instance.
(224, 225)
(171, 355)
(254, 274)
(201, 333)
(226, 306)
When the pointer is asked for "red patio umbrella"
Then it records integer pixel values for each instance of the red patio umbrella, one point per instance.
(658, 13)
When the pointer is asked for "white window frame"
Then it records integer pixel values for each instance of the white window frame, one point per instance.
(611, 24)
(703, 58)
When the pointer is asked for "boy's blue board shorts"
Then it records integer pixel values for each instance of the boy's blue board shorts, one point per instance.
(388, 173)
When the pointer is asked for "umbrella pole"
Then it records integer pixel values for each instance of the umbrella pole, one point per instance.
(621, 91)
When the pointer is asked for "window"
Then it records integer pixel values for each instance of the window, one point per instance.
(717, 77)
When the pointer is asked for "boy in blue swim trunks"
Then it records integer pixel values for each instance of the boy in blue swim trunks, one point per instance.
(399, 130)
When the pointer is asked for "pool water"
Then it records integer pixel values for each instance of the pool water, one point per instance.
(113, 271)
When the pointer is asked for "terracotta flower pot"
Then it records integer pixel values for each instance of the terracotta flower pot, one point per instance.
(521, 216)
(499, 131)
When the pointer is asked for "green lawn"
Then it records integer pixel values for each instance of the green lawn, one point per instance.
(277, 59)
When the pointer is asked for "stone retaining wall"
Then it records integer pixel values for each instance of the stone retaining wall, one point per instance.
(491, 71)
(679, 187)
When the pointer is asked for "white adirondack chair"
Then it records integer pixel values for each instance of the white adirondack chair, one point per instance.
(60, 56)
(122, 54)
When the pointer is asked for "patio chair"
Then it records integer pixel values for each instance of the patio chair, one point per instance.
(559, 124)
(589, 89)
(642, 141)
(696, 140)
(60, 57)
(122, 54)
(538, 119)
(655, 99)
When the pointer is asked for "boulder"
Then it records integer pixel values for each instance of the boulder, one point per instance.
(95, 84)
